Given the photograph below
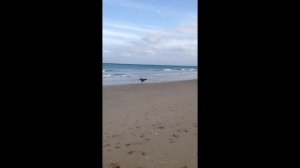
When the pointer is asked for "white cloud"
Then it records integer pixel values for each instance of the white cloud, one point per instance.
(153, 38)
(135, 5)
(111, 33)
(188, 29)
(129, 27)
(135, 44)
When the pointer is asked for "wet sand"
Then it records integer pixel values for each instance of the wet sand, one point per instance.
(150, 125)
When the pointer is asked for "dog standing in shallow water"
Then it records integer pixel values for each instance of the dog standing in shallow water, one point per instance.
(142, 79)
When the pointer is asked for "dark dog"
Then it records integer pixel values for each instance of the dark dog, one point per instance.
(142, 79)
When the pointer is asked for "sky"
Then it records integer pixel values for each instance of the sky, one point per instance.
(159, 32)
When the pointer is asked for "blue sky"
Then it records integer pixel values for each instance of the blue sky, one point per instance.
(150, 32)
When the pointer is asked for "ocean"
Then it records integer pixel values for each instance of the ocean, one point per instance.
(119, 74)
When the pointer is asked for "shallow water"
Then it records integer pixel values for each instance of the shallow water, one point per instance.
(117, 74)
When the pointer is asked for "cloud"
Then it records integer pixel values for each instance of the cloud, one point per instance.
(188, 29)
(124, 33)
(128, 26)
(153, 38)
(136, 6)
(111, 33)
(173, 42)
(176, 46)
(173, 39)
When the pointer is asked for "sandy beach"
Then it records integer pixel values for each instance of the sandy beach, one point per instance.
(150, 125)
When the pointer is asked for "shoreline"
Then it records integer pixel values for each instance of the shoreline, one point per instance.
(148, 83)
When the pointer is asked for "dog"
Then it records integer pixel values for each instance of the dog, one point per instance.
(142, 79)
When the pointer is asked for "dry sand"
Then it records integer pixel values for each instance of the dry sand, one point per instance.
(150, 125)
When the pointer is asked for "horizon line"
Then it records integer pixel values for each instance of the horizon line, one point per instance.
(146, 64)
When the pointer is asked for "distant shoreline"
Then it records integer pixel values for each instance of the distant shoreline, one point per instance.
(150, 64)
(149, 83)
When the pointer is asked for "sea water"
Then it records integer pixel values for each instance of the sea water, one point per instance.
(118, 74)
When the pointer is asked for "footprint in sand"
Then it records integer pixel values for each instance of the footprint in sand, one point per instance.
(141, 152)
(114, 165)
(175, 136)
(115, 135)
(182, 130)
(106, 145)
(130, 152)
